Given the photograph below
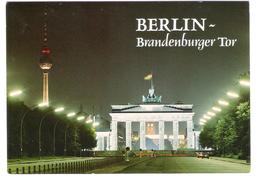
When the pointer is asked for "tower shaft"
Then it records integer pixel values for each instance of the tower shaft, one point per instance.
(45, 88)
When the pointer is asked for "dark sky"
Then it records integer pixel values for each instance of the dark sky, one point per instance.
(97, 64)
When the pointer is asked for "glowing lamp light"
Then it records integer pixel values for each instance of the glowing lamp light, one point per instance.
(203, 120)
(46, 51)
(89, 121)
(59, 109)
(244, 83)
(207, 117)
(211, 113)
(232, 94)
(71, 114)
(15, 93)
(95, 124)
(216, 109)
(43, 104)
(222, 102)
(135, 138)
(202, 123)
(80, 118)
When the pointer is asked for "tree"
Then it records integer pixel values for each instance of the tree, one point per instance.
(229, 131)
(207, 135)
(77, 136)
(243, 128)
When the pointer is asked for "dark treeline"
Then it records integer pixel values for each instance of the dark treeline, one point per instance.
(79, 135)
(228, 133)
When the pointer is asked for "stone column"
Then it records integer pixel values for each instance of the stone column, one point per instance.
(161, 135)
(98, 143)
(190, 134)
(113, 140)
(102, 148)
(108, 142)
(175, 128)
(128, 134)
(142, 135)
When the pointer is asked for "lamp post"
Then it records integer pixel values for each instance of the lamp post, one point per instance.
(54, 130)
(13, 94)
(72, 114)
(65, 140)
(79, 118)
(40, 125)
(21, 125)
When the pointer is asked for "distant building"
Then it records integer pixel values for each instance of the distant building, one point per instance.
(151, 116)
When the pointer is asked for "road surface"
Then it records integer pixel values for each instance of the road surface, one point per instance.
(177, 165)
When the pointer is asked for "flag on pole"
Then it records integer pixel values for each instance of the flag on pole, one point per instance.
(148, 77)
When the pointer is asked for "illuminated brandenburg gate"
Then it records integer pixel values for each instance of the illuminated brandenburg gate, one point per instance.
(149, 112)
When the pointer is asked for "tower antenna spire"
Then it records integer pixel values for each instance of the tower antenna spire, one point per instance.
(45, 25)
(45, 60)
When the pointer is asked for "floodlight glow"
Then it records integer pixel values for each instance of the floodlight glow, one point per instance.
(222, 102)
(95, 124)
(216, 109)
(43, 104)
(202, 123)
(206, 117)
(59, 109)
(211, 113)
(203, 120)
(89, 121)
(15, 93)
(80, 118)
(232, 94)
(71, 114)
(244, 82)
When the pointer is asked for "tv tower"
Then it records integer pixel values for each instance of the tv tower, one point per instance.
(45, 61)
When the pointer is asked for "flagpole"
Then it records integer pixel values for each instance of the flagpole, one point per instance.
(152, 83)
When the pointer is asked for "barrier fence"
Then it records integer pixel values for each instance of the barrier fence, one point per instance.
(82, 166)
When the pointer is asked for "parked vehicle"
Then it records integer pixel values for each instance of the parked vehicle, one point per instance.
(202, 155)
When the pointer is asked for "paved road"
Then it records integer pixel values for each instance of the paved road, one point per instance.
(176, 165)
(186, 165)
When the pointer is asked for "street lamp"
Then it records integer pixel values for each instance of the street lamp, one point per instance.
(223, 103)
(59, 109)
(21, 124)
(80, 118)
(216, 109)
(89, 121)
(95, 124)
(203, 120)
(244, 82)
(207, 117)
(15, 93)
(202, 123)
(43, 104)
(232, 94)
(71, 114)
(211, 113)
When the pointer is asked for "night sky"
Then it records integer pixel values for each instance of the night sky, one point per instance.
(96, 62)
